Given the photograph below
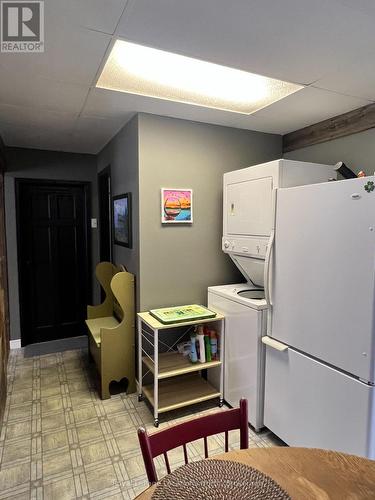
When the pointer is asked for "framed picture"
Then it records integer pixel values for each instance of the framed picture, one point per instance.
(122, 229)
(176, 206)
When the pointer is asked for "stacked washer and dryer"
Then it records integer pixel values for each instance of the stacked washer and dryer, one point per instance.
(249, 209)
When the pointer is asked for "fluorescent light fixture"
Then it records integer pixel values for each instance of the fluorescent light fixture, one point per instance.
(141, 70)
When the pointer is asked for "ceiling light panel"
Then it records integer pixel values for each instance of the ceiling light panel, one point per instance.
(141, 70)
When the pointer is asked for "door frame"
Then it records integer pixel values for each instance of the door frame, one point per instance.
(19, 181)
(5, 259)
(3, 263)
(105, 172)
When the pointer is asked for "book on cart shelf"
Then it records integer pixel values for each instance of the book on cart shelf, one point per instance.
(180, 314)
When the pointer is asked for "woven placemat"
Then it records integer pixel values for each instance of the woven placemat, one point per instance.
(218, 480)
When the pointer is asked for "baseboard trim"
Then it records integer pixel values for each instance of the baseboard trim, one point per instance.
(15, 344)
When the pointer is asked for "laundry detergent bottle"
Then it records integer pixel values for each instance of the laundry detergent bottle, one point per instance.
(202, 355)
(213, 341)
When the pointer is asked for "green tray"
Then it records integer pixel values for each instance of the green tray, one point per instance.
(179, 314)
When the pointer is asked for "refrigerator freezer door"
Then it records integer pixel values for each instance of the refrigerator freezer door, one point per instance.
(324, 262)
(244, 355)
(310, 404)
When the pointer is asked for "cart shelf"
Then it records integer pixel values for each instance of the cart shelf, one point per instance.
(172, 364)
(183, 391)
(177, 382)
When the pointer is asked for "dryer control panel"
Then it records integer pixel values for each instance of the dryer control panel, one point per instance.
(253, 247)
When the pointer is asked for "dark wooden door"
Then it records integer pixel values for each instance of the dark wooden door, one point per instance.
(4, 316)
(53, 259)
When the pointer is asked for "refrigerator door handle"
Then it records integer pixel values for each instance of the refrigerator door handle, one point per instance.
(275, 344)
(267, 265)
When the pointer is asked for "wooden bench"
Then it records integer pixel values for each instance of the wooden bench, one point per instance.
(111, 328)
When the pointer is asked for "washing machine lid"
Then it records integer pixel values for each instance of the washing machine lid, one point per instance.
(252, 293)
(251, 268)
(243, 293)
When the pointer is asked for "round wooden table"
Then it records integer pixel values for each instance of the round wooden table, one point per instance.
(308, 474)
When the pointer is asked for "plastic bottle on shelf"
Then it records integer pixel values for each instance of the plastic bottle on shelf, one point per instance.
(193, 348)
(200, 336)
(213, 341)
(207, 344)
(196, 341)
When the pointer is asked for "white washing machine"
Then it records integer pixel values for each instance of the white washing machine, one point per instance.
(245, 311)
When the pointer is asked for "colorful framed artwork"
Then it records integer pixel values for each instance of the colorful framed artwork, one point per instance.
(122, 228)
(176, 206)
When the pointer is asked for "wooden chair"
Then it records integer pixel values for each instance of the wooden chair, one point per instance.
(158, 443)
(112, 328)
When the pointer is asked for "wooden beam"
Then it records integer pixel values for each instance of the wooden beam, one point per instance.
(349, 123)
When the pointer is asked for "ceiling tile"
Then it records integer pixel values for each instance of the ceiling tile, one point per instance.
(356, 78)
(34, 91)
(29, 117)
(57, 131)
(56, 138)
(294, 40)
(365, 6)
(97, 15)
(123, 106)
(92, 133)
(306, 107)
(108, 103)
(72, 55)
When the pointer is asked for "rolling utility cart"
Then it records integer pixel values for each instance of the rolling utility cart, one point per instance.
(177, 381)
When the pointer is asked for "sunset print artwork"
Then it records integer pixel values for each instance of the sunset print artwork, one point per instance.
(176, 206)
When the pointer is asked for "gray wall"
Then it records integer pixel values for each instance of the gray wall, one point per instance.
(37, 164)
(179, 262)
(121, 153)
(357, 151)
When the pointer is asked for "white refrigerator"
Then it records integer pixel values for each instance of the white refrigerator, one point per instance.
(320, 343)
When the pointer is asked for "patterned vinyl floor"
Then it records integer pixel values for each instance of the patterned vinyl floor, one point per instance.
(60, 441)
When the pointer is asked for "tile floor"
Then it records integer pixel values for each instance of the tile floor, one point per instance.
(60, 441)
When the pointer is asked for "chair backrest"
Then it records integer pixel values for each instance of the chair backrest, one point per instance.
(104, 272)
(117, 310)
(163, 441)
(122, 286)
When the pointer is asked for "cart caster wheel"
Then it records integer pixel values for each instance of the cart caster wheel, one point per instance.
(156, 422)
(221, 403)
(140, 397)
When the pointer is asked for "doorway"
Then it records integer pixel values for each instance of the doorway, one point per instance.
(4, 311)
(105, 214)
(53, 258)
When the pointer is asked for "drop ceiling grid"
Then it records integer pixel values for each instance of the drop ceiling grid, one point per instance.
(322, 43)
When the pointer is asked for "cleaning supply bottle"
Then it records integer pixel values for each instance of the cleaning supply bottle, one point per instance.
(193, 348)
(213, 341)
(207, 345)
(200, 336)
